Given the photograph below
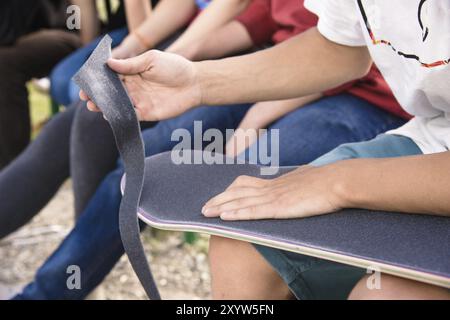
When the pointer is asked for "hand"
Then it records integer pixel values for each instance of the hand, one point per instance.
(260, 116)
(129, 48)
(247, 132)
(304, 192)
(161, 85)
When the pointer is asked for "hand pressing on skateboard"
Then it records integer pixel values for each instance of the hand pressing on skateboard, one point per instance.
(160, 85)
(304, 192)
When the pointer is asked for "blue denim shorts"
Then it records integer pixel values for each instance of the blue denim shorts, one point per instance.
(313, 278)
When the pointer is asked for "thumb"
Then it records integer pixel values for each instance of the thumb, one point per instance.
(132, 66)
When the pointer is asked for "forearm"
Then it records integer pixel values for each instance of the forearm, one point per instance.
(217, 14)
(304, 65)
(90, 23)
(167, 17)
(137, 11)
(260, 116)
(230, 39)
(417, 184)
(263, 114)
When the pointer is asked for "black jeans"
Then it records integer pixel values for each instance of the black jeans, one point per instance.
(32, 56)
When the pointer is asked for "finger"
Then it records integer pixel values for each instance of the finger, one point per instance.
(92, 107)
(133, 65)
(139, 114)
(83, 95)
(237, 204)
(230, 195)
(255, 212)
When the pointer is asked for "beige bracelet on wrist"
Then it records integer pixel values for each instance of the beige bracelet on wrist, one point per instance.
(142, 40)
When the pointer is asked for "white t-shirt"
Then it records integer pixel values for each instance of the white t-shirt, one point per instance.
(409, 41)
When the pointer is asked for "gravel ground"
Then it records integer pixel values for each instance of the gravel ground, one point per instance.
(181, 270)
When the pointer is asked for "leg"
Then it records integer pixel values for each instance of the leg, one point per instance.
(93, 154)
(44, 162)
(305, 134)
(247, 265)
(93, 245)
(394, 288)
(32, 56)
(158, 139)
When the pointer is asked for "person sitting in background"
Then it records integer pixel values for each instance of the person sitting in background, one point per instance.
(129, 15)
(78, 143)
(32, 42)
(144, 31)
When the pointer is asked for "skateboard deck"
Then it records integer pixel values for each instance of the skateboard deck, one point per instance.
(406, 245)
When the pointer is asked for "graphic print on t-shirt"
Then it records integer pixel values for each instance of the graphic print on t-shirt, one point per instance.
(422, 8)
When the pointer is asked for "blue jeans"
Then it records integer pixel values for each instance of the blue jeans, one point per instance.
(63, 90)
(313, 278)
(94, 244)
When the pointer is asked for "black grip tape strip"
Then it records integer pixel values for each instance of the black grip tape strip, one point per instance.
(105, 89)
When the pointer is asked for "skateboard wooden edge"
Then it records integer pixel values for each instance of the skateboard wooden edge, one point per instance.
(309, 251)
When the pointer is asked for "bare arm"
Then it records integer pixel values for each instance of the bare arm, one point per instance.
(217, 14)
(417, 184)
(167, 17)
(306, 64)
(264, 113)
(259, 116)
(90, 23)
(137, 11)
(229, 39)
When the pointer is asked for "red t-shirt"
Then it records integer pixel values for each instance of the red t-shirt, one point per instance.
(278, 20)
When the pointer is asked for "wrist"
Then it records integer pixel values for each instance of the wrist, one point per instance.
(342, 184)
(203, 82)
(189, 52)
(253, 121)
(144, 43)
(197, 85)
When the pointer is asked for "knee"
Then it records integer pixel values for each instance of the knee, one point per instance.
(60, 79)
(85, 119)
(89, 127)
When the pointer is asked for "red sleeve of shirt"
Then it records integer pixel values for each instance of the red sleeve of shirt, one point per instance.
(374, 89)
(257, 19)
